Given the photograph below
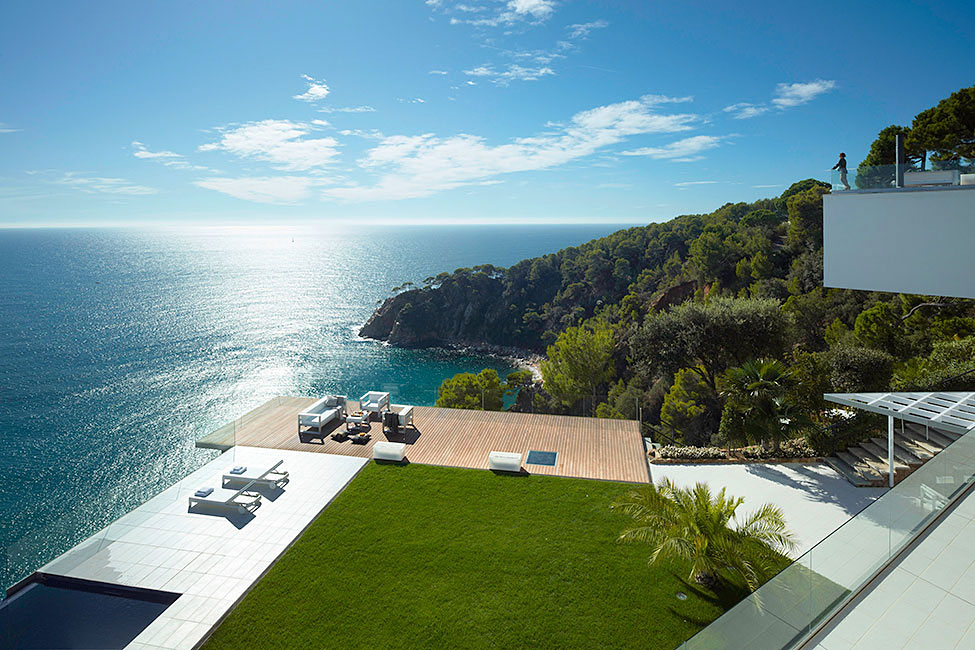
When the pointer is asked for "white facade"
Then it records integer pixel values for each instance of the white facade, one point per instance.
(913, 240)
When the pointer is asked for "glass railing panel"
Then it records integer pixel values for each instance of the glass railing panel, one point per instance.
(797, 600)
(876, 177)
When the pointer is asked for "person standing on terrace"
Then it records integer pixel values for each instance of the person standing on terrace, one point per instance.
(841, 165)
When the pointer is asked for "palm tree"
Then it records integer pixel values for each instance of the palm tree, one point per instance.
(757, 393)
(692, 525)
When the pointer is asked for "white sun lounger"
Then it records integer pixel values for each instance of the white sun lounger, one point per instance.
(242, 501)
(269, 478)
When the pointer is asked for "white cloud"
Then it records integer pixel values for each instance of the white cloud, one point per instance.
(317, 90)
(102, 185)
(6, 128)
(440, 72)
(346, 109)
(514, 11)
(265, 189)
(684, 150)
(416, 166)
(582, 30)
(514, 72)
(370, 134)
(745, 111)
(537, 9)
(788, 95)
(280, 142)
(655, 100)
(168, 158)
(414, 100)
(690, 183)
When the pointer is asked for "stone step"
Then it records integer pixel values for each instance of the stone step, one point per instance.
(918, 451)
(876, 458)
(861, 468)
(936, 436)
(900, 453)
(853, 476)
(917, 438)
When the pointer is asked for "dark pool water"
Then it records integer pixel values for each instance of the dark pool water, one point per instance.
(55, 613)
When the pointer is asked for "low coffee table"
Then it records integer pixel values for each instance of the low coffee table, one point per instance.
(356, 418)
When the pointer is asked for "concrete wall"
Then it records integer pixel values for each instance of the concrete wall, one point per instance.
(907, 241)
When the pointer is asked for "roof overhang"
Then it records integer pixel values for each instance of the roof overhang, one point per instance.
(954, 412)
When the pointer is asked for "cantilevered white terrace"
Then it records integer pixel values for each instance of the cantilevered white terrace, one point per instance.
(210, 558)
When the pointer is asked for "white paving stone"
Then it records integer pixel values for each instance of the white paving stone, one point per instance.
(212, 560)
(935, 611)
(815, 499)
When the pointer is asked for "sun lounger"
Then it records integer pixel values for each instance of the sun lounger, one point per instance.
(270, 478)
(242, 501)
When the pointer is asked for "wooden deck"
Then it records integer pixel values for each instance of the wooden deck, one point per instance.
(592, 448)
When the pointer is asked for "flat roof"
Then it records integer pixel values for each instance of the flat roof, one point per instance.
(954, 412)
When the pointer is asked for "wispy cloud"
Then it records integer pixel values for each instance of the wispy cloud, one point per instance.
(440, 72)
(266, 189)
(282, 143)
(509, 13)
(6, 128)
(103, 185)
(692, 183)
(787, 95)
(582, 30)
(513, 72)
(346, 109)
(411, 100)
(686, 150)
(745, 111)
(167, 158)
(421, 165)
(317, 90)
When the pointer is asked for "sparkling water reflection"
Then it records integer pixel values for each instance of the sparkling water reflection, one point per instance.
(119, 348)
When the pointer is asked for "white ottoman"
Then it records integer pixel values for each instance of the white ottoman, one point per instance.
(504, 461)
(384, 450)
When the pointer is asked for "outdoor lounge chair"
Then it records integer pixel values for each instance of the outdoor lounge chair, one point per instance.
(241, 501)
(270, 478)
(321, 413)
(374, 402)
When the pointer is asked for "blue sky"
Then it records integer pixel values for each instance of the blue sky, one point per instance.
(443, 111)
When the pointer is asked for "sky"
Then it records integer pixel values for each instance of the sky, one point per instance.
(436, 111)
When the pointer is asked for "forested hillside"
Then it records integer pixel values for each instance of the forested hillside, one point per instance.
(711, 328)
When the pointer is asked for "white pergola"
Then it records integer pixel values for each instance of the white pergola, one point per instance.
(953, 412)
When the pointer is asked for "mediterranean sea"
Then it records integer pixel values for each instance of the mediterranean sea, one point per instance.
(120, 347)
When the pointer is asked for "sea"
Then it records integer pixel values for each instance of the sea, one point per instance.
(120, 347)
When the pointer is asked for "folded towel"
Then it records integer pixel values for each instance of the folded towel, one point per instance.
(204, 492)
(239, 469)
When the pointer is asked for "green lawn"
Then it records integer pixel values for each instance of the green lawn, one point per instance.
(429, 557)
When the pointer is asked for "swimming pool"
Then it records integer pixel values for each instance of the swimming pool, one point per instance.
(52, 612)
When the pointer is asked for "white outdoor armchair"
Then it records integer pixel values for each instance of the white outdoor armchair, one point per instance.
(374, 402)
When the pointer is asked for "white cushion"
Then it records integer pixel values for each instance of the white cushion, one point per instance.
(383, 450)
